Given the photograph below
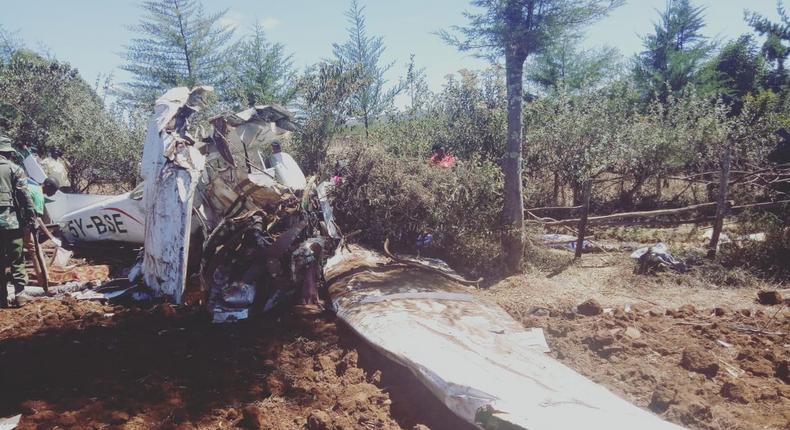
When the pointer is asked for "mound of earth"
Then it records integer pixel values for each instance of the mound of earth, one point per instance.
(83, 365)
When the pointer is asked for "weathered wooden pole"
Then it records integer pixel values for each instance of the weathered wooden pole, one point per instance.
(556, 192)
(583, 220)
(721, 203)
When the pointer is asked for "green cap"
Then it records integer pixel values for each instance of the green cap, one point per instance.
(5, 144)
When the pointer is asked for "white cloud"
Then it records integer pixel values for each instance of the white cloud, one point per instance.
(268, 23)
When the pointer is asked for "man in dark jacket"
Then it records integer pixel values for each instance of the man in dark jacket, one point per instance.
(16, 212)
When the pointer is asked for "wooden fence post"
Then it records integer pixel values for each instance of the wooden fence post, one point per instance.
(721, 204)
(583, 220)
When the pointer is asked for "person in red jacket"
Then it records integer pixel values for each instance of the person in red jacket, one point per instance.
(440, 157)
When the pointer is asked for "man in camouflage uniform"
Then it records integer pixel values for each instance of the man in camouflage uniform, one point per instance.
(16, 212)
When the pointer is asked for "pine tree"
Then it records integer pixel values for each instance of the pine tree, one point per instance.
(775, 48)
(415, 85)
(364, 51)
(516, 29)
(738, 70)
(178, 45)
(674, 53)
(565, 65)
(262, 72)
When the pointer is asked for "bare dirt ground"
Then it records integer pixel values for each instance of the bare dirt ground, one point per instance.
(700, 355)
(82, 365)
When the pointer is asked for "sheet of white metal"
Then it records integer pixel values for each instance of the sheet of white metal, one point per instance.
(170, 168)
(470, 353)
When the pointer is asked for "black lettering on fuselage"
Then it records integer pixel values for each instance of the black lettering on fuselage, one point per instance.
(119, 223)
(99, 224)
(78, 222)
(110, 224)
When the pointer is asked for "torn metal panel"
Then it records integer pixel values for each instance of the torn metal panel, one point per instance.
(287, 171)
(10, 423)
(168, 226)
(482, 364)
(171, 167)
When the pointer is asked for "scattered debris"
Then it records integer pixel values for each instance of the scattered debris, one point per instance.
(565, 241)
(654, 258)
(79, 273)
(723, 343)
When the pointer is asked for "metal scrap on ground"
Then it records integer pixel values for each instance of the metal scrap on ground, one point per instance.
(483, 365)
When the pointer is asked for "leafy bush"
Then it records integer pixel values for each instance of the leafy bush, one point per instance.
(45, 104)
(397, 198)
(769, 258)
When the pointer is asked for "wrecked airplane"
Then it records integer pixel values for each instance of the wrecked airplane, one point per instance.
(259, 233)
(212, 221)
(208, 215)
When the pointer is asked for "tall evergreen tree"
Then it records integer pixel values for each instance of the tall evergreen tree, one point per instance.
(563, 64)
(738, 70)
(326, 100)
(517, 29)
(262, 72)
(674, 53)
(775, 48)
(178, 44)
(364, 51)
(415, 85)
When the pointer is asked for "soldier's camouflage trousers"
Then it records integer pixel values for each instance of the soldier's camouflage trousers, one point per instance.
(11, 260)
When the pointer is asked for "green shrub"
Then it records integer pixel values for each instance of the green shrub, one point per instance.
(770, 258)
(397, 198)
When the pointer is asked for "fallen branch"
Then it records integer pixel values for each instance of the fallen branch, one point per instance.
(750, 329)
(701, 324)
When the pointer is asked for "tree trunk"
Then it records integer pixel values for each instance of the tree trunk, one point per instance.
(556, 192)
(721, 204)
(577, 190)
(513, 210)
(659, 187)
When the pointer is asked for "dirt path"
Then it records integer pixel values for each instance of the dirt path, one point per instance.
(68, 364)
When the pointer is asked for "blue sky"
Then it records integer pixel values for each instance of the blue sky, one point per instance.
(90, 34)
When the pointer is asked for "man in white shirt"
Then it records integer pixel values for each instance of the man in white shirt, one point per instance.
(57, 167)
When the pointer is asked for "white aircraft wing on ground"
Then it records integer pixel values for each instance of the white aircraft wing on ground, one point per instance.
(481, 363)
